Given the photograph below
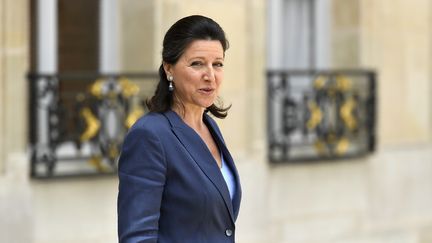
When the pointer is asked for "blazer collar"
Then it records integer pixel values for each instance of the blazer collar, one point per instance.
(202, 156)
(228, 159)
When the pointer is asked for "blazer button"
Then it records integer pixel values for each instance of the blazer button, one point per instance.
(228, 232)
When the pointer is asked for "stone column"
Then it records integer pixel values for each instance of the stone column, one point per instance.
(137, 36)
(256, 79)
(2, 88)
(345, 34)
(13, 67)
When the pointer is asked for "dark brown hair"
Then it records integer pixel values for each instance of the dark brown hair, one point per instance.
(176, 40)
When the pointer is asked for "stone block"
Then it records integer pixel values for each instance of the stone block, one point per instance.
(395, 41)
(13, 67)
(319, 188)
(75, 210)
(320, 229)
(16, 225)
(15, 102)
(399, 188)
(139, 51)
(346, 14)
(425, 234)
(346, 49)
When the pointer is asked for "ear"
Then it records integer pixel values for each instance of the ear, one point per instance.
(168, 68)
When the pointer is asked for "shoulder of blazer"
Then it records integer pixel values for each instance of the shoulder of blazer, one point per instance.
(153, 121)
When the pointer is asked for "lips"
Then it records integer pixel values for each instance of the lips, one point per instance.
(206, 90)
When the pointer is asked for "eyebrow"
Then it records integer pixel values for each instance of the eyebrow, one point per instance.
(200, 57)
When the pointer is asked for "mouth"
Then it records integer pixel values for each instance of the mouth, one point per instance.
(206, 91)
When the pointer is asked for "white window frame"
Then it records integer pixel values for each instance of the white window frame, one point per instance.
(297, 39)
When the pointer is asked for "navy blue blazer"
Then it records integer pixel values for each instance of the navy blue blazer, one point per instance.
(170, 187)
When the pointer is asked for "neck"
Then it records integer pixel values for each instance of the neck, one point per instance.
(192, 116)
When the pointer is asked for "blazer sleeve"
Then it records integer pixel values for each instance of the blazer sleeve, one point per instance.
(142, 170)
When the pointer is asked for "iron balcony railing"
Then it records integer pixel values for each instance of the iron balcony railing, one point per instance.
(78, 121)
(315, 115)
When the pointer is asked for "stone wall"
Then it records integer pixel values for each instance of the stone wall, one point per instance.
(393, 38)
(2, 13)
(15, 201)
(137, 27)
(345, 33)
(396, 41)
(13, 66)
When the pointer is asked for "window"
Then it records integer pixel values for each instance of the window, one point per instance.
(298, 36)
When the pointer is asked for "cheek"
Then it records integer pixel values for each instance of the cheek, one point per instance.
(218, 86)
(186, 82)
(220, 78)
(192, 79)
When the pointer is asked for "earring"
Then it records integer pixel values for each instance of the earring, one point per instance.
(170, 86)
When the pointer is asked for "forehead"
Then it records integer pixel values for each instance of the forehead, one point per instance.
(204, 48)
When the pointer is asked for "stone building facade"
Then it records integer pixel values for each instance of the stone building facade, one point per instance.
(383, 198)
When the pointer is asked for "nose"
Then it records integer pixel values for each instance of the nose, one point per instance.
(209, 74)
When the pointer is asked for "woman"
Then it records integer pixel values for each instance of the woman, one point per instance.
(178, 181)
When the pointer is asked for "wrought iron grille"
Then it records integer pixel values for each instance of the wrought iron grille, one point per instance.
(315, 115)
(78, 120)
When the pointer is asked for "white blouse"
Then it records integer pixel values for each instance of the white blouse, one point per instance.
(229, 177)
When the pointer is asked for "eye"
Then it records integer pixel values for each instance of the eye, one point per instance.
(196, 64)
(218, 64)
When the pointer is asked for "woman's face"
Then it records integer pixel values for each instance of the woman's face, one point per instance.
(198, 74)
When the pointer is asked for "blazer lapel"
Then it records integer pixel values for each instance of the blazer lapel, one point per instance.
(228, 159)
(201, 155)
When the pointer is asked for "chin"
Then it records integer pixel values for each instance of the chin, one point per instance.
(207, 104)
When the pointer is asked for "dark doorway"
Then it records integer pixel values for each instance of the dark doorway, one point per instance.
(78, 52)
(78, 35)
